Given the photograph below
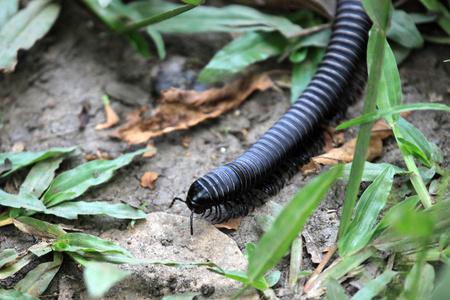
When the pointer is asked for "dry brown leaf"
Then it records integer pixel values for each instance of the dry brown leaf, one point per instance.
(111, 118)
(148, 180)
(98, 155)
(18, 147)
(230, 224)
(182, 109)
(152, 153)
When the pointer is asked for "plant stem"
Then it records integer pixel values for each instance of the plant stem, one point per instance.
(320, 267)
(415, 178)
(296, 260)
(155, 19)
(240, 292)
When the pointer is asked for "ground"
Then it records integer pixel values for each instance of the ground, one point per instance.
(77, 62)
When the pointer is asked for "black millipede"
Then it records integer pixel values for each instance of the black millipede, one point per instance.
(230, 190)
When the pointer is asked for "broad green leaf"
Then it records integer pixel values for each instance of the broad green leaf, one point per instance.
(396, 109)
(231, 18)
(41, 249)
(414, 151)
(374, 287)
(404, 31)
(421, 18)
(289, 223)
(139, 43)
(42, 226)
(21, 201)
(319, 39)
(100, 277)
(335, 291)
(71, 210)
(299, 55)
(380, 12)
(193, 2)
(24, 29)
(75, 182)
(303, 72)
(249, 248)
(87, 243)
(368, 208)
(41, 175)
(37, 280)
(158, 40)
(7, 256)
(243, 51)
(420, 282)
(16, 266)
(9, 8)
(273, 278)
(415, 137)
(443, 14)
(407, 204)
(104, 3)
(389, 86)
(371, 171)
(23, 159)
(441, 290)
(15, 295)
(400, 52)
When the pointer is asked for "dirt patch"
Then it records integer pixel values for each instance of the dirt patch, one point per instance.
(77, 63)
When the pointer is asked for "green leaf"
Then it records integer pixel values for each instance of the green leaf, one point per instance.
(41, 176)
(371, 171)
(422, 147)
(303, 72)
(380, 12)
(193, 2)
(421, 18)
(231, 18)
(23, 159)
(9, 8)
(389, 86)
(404, 31)
(75, 182)
(87, 243)
(400, 52)
(273, 278)
(414, 150)
(289, 223)
(441, 290)
(443, 14)
(375, 286)
(24, 29)
(37, 280)
(16, 266)
(7, 256)
(139, 43)
(104, 3)
(100, 277)
(42, 226)
(420, 282)
(21, 201)
(396, 109)
(158, 40)
(71, 210)
(15, 295)
(260, 283)
(335, 291)
(264, 221)
(368, 208)
(243, 51)
(249, 248)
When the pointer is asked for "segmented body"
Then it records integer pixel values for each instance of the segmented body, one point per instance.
(293, 139)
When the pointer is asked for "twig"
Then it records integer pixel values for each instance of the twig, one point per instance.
(311, 30)
(321, 266)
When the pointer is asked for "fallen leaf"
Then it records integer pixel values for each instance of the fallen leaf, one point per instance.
(311, 247)
(182, 109)
(111, 117)
(18, 147)
(150, 153)
(98, 155)
(148, 180)
(232, 224)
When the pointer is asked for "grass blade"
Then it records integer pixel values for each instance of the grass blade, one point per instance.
(24, 29)
(87, 243)
(7, 256)
(374, 287)
(75, 182)
(37, 280)
(275, 242)
(23, 159)
(368, 208)
(371, 171)
(71, 210)
(335, 291)
(380, 12)
(100, 277)
(243, 51)
(41, 228)
(15, 266)
(404, 31)
(15, 295)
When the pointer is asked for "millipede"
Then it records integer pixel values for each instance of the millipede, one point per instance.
(232, 189)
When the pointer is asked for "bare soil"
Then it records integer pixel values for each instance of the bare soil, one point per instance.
(78, 62)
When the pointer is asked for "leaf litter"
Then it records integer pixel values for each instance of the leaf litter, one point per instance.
(182, 109)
